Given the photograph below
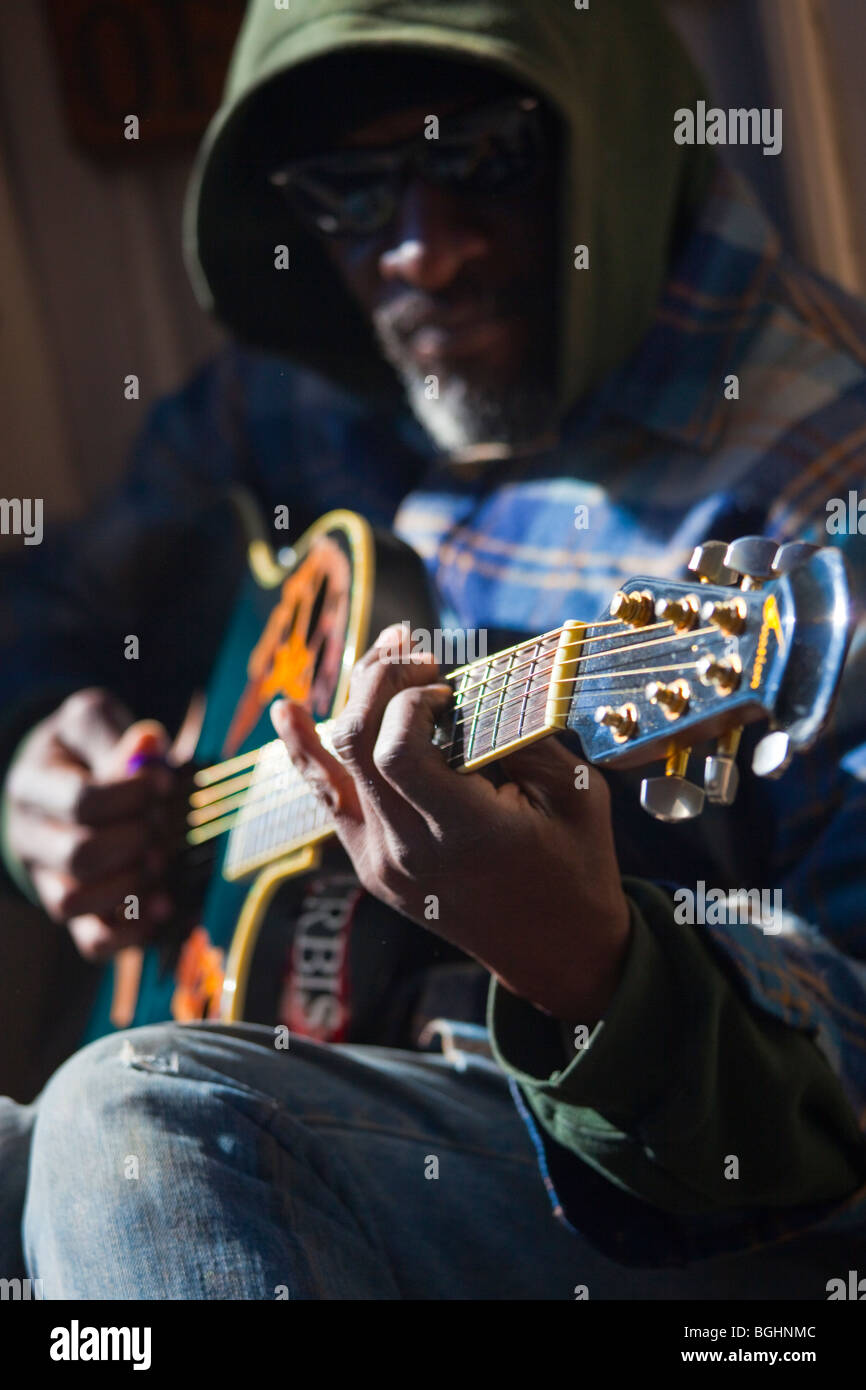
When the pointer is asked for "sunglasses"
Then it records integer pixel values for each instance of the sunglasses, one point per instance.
(494, 149)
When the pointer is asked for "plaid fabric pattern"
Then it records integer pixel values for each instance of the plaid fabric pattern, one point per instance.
(662, 460)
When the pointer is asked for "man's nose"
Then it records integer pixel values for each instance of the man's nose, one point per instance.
(430, 239)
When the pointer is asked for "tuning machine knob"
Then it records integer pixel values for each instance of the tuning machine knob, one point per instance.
(752, 557)
(791, 555)
(708, 563)
(721, 774)
(672, 797)
(773, 755)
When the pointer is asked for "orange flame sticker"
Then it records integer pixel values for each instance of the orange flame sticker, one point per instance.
(198, 978)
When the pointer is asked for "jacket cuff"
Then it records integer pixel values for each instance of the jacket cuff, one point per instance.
(596, 1069)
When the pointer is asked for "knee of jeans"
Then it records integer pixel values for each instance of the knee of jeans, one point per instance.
(88, 1082)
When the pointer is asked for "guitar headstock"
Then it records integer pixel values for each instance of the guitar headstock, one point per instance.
(760, 633)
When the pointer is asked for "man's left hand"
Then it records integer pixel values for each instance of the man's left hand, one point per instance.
(523, 875)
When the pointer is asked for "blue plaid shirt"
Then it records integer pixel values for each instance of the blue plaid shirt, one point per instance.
(667, 454)
(663, 460)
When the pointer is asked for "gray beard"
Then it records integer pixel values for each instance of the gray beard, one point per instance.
(464, 416)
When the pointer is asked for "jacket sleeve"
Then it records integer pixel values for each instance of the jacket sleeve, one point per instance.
(158, 561)
(151, 562)
(684, 1075)
(726, 1085)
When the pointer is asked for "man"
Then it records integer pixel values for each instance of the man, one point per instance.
(564, 294)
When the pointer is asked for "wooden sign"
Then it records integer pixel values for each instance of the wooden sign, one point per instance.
(162, 61)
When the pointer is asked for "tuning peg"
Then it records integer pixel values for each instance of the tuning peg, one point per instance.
(721, 774)
(672, 797)
(729, 618)
(723, 674)
(673, 700)
(773, 755)
(708, 563)
(752, 557)
(637, 609)
(682, 612)
(791, 555)
(622, 722)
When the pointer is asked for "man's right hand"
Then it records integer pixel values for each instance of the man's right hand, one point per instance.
(86, 815)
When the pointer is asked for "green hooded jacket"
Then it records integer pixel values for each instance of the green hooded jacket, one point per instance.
(614, 74)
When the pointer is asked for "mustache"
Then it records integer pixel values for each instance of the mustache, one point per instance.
(412, 310)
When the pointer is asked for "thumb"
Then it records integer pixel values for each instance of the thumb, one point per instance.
(547, 772)
(144, 743)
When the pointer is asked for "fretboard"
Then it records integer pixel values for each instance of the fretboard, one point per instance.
(508, 700)
(500, 704)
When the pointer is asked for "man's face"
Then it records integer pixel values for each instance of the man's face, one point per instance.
(458, 280)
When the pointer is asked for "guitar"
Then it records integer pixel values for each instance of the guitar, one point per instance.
(760, 632)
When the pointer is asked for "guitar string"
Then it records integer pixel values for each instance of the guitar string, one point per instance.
(206, 776)
(220, 818)
(274, 843)
(254, 789)
(561, 647)
(224, 805)
(301, 792)
(514, 730)
(506, 675)
(467, 708)
(586, 676)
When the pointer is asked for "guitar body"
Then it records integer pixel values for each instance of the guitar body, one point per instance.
(297, 630)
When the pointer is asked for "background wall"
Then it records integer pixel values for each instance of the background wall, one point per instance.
(97, 284)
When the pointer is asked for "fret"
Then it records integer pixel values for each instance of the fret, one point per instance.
(460, 695)
(528, 704)
(521, 720)
(478, 697)
(533, 701)
(494, 707)
(452, 745)
(497, 717)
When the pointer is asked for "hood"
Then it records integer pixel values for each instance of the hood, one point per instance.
(615, 74)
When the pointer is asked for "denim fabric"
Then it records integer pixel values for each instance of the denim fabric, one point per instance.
(201, 1162)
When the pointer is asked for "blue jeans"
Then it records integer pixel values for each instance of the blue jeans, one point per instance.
(203, 1162)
